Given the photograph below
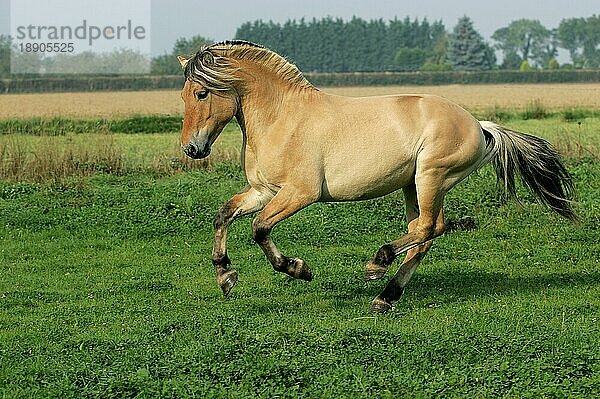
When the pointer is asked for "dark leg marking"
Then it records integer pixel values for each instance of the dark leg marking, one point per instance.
(244, 202)
(295, 268)
(385, 255)
(226, 278)
(377, 267)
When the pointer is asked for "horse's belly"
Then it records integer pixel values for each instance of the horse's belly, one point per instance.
(352, 183)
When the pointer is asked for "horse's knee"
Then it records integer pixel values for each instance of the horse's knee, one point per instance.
(429, 231)
(221, 260)
(260, 230)
(224, 216)
(219, 221)
(424, 233)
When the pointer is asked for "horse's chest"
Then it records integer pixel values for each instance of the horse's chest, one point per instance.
(261, 175)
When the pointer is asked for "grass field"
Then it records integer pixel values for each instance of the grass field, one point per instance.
(54, 151)
(107, 289)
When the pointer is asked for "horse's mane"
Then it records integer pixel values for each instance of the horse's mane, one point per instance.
(211, 65)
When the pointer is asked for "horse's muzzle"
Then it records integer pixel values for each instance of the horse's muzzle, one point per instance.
(194, 151)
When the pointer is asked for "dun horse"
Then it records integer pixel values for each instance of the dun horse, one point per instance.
(301, 146)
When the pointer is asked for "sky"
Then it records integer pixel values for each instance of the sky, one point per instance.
(218, 19)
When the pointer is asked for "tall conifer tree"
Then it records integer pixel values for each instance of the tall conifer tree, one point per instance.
(467, 50)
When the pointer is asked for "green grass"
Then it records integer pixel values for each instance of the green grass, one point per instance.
(43, 158)
(56, 154)
(58, 126)
(107, 290)
(537, 110)
(151, 124)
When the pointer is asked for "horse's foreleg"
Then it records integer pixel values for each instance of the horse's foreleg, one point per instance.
(285, 203)
(247, 201)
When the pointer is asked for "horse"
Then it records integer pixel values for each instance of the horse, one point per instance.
(301, 146)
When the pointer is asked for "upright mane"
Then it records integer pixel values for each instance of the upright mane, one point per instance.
(212, 66)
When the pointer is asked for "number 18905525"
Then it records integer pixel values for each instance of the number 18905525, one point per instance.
(34, 47)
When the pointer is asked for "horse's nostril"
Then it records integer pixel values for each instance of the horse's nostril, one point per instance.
(194, 151)
(190, 150)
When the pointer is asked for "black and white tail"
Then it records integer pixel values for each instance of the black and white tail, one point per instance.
(536, 161)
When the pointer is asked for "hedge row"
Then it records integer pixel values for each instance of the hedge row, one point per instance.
(90, 83)
(145, 82)
(59, 126)
(452, 77)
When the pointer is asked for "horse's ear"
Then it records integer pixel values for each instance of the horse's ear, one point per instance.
(182, 60)
(207, 58)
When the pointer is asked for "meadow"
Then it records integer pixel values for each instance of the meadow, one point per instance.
(107, 288)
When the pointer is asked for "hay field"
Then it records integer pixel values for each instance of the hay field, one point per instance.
(168, 102)
(90, 105)
(483, 97)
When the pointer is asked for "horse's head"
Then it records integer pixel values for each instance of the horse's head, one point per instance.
(207, 109)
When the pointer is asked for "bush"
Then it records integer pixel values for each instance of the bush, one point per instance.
(553, 64)
(410, 59)
(535, 110)
(61, 126)
(90, 83)
(496, 114)
(525, 67)
(579, 114)
(451, 77)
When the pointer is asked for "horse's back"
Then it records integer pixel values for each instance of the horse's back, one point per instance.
(373, 147)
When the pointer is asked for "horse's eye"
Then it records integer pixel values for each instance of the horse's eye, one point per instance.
(201, 95)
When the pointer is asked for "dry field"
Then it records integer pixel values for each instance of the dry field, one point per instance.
(483, 97)
(168, 102)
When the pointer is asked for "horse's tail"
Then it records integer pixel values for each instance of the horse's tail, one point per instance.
(536, 161)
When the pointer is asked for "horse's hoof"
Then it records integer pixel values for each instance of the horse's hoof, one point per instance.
(374, 271)
(380, 306)
(301, 271)
(227, 280)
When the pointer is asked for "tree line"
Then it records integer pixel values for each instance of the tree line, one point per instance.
(335, 45)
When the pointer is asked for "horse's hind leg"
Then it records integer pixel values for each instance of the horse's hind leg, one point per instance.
(377, 267)
(428, 225)
(395, 287)
(285, 203)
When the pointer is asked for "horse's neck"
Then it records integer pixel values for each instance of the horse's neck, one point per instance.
(260, 108)
(264, 98)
